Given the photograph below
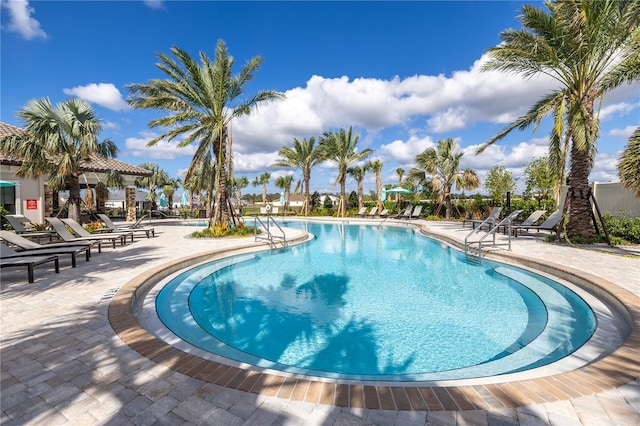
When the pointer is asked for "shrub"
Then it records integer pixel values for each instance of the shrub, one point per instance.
(626, 228)
(94, 226)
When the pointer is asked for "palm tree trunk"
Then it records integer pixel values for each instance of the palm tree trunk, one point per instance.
(447, 200)
(343, 195)
(580, 214)
(74, 199)
(379, 191)
(307, 197)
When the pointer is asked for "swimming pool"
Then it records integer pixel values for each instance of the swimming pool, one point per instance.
(374, 303)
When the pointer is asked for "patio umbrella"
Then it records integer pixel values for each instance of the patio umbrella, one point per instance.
(398, 190)
(4, 183)
(185, 199)
(163, 200)
(282, 198)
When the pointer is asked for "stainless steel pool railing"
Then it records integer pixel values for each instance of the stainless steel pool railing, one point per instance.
(270, 237)
(504, 223)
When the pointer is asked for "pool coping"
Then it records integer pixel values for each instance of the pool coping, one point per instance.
(614, 370)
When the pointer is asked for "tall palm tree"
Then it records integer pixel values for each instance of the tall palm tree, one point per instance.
(263, 180)
(240, 183)
(285, 182)
(339, 148)
(589, 48)
(201, 101)
(443, 163)
(304, 156)
(400, 173)
(154, 182)
(629, 166)
(56, 141)
(376, 167)
(358, 174)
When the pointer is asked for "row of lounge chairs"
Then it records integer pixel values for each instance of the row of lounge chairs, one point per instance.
(409, 213)
(19, 250)
(526, 225)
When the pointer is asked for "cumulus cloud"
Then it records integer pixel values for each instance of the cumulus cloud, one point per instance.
(406, 151)
(163, 150)
(625, 133)
(21, 20)
(104, 94)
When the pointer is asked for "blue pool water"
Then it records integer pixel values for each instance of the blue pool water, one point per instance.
(375, 303)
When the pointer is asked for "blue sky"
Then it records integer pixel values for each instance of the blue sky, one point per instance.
(403, 74)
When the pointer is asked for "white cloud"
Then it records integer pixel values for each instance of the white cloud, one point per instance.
(257, 162)
(405, 152)
(625, 133)
(154, 4)
(163, 150)
(21, 21)
(103, 94)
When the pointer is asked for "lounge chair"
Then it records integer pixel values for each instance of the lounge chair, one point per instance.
(548, 225)
(16, 224)
(81, 232)
(29, 262)
(372, 212)
(416, 213)
(361, 212)
(8, 252)
(136, 227)
(384, 213)
(406, 213)
(26, 244)
(490, 220)
(531, 220)
(66, 235)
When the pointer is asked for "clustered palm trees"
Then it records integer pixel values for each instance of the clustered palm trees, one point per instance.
(588, 47)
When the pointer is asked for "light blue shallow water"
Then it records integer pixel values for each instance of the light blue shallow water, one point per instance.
(375, 303)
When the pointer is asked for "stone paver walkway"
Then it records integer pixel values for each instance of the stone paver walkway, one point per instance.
(63, 363)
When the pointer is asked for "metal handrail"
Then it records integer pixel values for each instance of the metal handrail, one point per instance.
(269, 237)
(506, 222)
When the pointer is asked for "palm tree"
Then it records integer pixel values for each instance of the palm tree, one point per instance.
(339, 148)
(358, 174)
(443, 163)
(169, 188)
(376, 167)
(304, 156)
(240, 183)
(400, 173)
(589, 48)
(629, 166)
(263, 180)
(157, 180)
(56, 141)
(284, 182)
(202, 100)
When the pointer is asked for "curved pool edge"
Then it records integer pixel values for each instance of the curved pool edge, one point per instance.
(616, 369)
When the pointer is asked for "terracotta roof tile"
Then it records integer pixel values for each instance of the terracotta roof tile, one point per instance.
(97, 164)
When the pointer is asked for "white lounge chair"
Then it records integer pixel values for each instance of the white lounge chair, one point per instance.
(361, 212)
(372, 212)
(16, 224)
(490, 221)
(80, 231)
(66, 235)
(548, 225)
(135, 227)
(26, 244)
